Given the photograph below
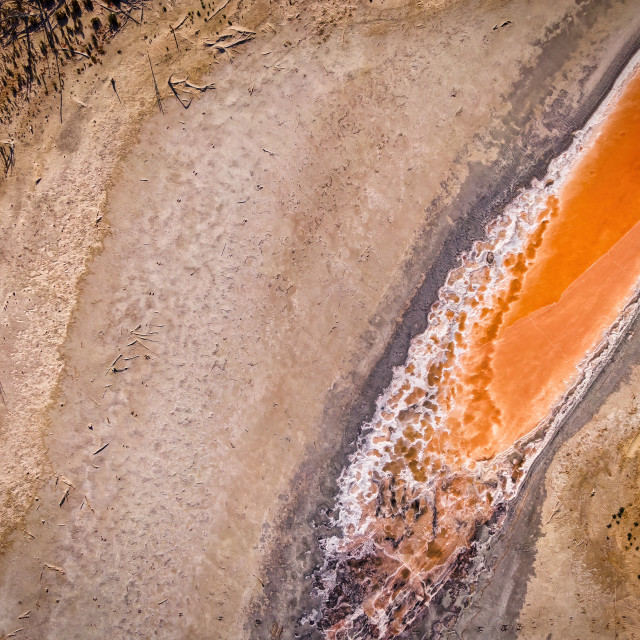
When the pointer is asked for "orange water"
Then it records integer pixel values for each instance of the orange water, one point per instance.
(503, 349)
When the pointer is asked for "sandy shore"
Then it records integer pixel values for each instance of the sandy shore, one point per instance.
(269, 252)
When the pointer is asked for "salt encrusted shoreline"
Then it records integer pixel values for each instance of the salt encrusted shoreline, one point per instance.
(506, 235)
(305, 518)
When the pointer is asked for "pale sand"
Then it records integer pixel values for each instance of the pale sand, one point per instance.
(51, 229)
(277, 280)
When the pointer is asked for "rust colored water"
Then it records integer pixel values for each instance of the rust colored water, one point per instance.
(518, 327)
(587, 264)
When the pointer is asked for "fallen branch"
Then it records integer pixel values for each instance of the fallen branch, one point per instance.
(155, 84)
(67, 482)
(86, 499)
(65, 495)
(558, 507)
(217, 11)
(113, 364)
(223, 47)
(185, 84)
(243, 30)
(202, 88)
(79, 53)
(54, 568)
(82, 104)
(140, 343)
(102, 448)
(8, 155)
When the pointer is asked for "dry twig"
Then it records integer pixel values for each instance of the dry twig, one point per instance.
(184, 85)
(155, 84)
(54, 568)
(217, 11)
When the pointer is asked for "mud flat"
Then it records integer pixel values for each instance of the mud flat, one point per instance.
(262, 248)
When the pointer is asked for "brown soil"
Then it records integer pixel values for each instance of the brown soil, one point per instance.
(585, 553)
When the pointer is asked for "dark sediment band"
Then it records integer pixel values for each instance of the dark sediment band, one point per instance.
(532, 141)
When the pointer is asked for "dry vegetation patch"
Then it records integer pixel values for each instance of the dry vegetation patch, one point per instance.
(39, 37)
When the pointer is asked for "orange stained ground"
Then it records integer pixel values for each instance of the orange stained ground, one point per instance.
(584, 270)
